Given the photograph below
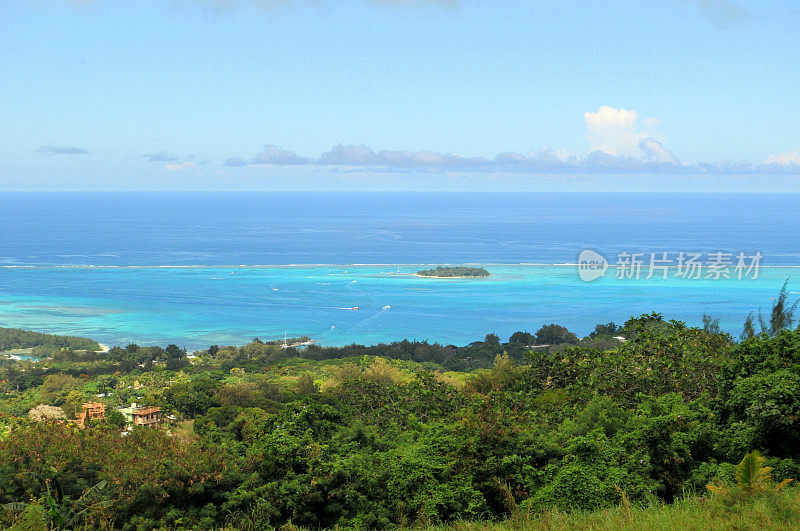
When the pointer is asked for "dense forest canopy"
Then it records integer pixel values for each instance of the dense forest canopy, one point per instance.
(412, 433)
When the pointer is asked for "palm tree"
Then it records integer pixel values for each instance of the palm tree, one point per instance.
(62, 511)
(752, 477)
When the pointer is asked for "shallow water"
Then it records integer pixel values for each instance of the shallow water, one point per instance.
(199, 306)
(44, 235)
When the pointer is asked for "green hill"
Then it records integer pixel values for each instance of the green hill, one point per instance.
(15, 338)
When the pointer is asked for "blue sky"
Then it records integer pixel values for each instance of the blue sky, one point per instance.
(399, 94)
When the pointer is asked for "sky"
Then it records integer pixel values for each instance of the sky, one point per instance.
(628, 95)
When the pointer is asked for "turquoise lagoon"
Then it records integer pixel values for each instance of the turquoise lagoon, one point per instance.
(199, 306)
(48, 241)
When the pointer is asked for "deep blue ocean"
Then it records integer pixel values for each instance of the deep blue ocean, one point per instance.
(204, 268)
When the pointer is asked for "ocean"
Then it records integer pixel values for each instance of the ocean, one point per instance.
(197, 269)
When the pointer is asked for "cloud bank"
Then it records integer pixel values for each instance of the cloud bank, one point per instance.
(618, 142)
(544, 160)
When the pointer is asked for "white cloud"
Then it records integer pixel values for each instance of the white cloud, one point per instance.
(349, 155)
(272, 154)
(620, 133)
(611, 130)
(362, 155)
(655, 151)
(785, 158)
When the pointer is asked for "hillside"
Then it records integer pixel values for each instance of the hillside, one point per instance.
(15, 338)
(587, 434)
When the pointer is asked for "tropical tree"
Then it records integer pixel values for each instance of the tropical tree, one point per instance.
(605, 330)
(749, 329)
(752, 477)
(782, 315)
(63, 512)
(554, 334)
(522, 338)
(711, 325)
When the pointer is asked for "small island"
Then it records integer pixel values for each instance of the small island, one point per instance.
(454, 272)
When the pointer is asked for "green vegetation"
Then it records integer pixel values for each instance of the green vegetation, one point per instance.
(674, 427)
(781, 316)
(14, 338)
(454, 272)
